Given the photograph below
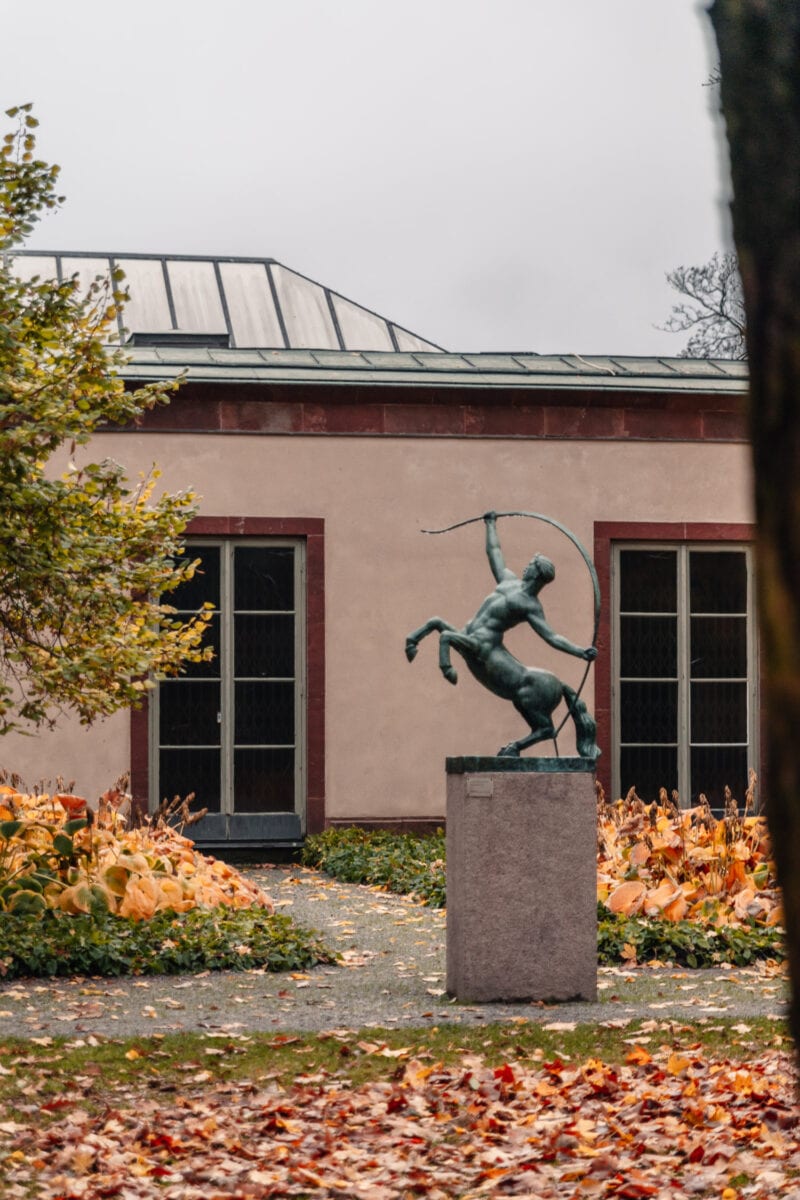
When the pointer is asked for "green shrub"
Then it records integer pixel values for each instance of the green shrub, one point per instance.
(399, 862)
(55, 943)
(684, 943)
(416, 866)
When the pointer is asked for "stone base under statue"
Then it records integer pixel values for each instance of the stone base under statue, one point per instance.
(521, 879)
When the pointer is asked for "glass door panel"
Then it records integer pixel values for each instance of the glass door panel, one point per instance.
(231, 730)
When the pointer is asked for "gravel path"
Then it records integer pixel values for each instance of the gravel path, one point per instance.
(392, 975)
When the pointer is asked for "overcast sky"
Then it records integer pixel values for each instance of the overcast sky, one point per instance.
(492, 174)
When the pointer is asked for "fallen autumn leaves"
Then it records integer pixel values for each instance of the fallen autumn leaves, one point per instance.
(58, 853)
(672, 1124)
(661, 860)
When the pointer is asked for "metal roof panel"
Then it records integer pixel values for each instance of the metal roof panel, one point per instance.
(696, 366)
(341, 358)
(396, 360)
(442, 361)
(734, 367)
(493, 362)
(196, 297)
(27, 266)
(544, 364)
(410, 341)
(148, 309)
(360, 327)
(251, 305)
(641, 366)
(306, 311)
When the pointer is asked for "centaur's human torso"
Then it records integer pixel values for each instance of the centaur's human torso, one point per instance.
(494, 665)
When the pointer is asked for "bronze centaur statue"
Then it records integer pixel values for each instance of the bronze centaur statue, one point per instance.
(534, 693)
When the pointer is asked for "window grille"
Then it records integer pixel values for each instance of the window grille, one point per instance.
(684, 670)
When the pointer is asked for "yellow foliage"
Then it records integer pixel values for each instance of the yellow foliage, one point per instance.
(132, 872)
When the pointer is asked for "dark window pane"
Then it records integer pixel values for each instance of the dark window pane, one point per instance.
(263, 780)
(264, 713)
(188, 713)
(648, 580)
(649, 646)
(207, 670)
(184, 771)
(717, 581)
(649, 712)
(719, 712)
(718, 647)
(263, 577)
(203, 586)
(648, 768)
(714, 767)
(264, 645)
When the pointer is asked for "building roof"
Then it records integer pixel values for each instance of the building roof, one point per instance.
(249, 302)
(255, 321)
(421, 369)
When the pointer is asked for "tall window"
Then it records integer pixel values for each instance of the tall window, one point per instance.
(684, 670)
(231, 730)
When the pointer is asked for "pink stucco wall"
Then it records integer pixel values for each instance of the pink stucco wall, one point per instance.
(391, 724)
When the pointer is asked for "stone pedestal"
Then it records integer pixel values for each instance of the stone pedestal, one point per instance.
(521, 879)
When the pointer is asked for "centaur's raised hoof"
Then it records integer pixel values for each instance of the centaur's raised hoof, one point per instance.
(411, 649)
(450, 674)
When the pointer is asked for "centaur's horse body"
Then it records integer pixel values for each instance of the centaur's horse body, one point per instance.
(534, 693)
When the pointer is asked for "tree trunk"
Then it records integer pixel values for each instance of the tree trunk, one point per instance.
(759, 47)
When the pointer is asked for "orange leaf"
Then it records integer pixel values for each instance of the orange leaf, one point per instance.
(639, 854)
(627, 898)
(72, 804)
(735, 875)
(678, 1063)
(638, 1057)
(676, 909)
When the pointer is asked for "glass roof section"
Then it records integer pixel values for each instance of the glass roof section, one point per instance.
(257, 302)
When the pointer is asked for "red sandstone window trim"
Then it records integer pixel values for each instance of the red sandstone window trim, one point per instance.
(312, 531)
(607, 534)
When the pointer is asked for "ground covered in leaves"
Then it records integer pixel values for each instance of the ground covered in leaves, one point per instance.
(674, 885)
(436, 1113)
(390, 972)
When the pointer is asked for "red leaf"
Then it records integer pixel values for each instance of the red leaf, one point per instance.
(505, 1074)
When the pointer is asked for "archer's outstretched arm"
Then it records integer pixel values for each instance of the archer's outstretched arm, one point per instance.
(493, 551)
(538, 623)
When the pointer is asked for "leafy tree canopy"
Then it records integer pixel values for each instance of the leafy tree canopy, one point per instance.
(712, 308)
(86, 559)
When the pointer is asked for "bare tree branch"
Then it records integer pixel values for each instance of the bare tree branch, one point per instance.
(713, 309)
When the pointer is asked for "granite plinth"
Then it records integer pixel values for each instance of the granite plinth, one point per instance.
(521, 884)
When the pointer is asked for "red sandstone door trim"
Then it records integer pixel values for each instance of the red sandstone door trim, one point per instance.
(312, 532)
(607, 534)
